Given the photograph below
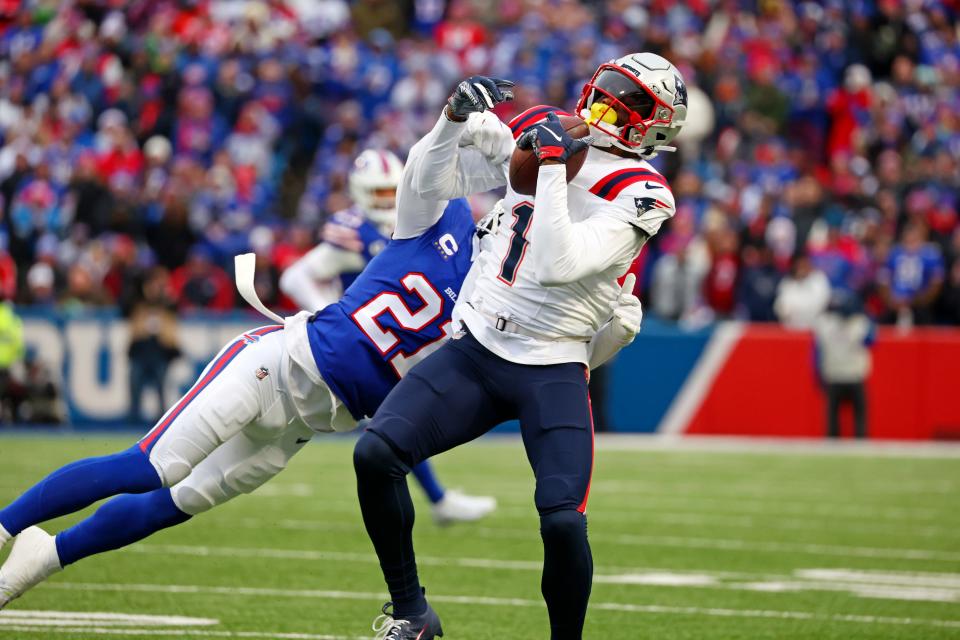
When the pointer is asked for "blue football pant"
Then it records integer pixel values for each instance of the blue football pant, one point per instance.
(454, 396)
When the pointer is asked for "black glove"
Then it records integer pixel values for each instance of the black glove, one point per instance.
(477, 93)
(550, 141)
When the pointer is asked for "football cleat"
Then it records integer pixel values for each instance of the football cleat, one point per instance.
(422, 627)
(459, 507)
(32, 560)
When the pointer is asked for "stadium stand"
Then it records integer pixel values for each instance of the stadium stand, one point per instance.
(175, 134)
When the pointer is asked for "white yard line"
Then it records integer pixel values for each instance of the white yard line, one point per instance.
(934, 587)
(505, 602)
(736, 545)
(861, 584)
(732, 545)
(334, 556)
(515, 500)
(912, 578)
(190, 633)
(693, 518)
(67, 618)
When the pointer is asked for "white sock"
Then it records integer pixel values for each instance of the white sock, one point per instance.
(4, 536)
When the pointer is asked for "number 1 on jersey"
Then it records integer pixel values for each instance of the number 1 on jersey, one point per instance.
(522, 215)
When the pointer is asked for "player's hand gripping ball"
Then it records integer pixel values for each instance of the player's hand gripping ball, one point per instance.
(561, 138)
(476, 94)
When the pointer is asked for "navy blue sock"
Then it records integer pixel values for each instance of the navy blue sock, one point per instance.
(427, 478)
(567, 572)
(78, 485)
(120, 522)
(388, 515)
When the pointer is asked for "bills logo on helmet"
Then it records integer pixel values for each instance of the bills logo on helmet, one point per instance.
(680, 95)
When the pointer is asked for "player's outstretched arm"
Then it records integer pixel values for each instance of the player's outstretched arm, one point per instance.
(311, 280)
(467, 150)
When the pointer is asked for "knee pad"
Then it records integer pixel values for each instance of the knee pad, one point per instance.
(374, 456)
(191, 501)
(567, 526)
(251, 475)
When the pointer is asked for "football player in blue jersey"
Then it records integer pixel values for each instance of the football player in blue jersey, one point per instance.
(351, 239)
(268, 391)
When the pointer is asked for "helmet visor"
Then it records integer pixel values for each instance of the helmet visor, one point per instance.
(611, 83)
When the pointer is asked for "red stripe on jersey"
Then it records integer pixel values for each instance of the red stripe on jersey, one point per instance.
(610, 186)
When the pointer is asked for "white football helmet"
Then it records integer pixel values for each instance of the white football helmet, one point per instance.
(373, 185)
(636, 103)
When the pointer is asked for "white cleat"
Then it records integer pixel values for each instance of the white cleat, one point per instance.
(459, 507)
(32, 560)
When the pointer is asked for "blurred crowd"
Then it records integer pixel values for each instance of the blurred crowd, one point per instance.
(144, 143)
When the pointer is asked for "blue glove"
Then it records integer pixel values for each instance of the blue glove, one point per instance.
(476, 94)
(550, 141)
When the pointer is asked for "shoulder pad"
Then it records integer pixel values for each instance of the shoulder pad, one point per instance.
(641, 195)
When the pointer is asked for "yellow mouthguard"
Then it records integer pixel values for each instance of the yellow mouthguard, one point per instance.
(600, 112)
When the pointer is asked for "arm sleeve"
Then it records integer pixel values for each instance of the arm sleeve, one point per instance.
(444, 170)
(571, 251)
(440, 169)
(311, 280)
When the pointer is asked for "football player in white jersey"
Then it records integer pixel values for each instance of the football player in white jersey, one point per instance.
(351, 239)
(543, 308)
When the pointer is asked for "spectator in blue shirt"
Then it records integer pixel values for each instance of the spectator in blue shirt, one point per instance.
(912, 277)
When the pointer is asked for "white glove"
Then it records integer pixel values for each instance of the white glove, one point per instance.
(488, 135)
(487, 228)
(627, 312)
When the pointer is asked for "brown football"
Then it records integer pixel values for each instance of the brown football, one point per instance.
(524, 166)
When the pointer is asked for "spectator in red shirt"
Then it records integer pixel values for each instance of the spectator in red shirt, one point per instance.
(8, 276)
(849, 109)
(200, 284)
(720, 285)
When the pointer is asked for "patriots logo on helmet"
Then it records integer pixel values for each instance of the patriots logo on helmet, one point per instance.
(680, 95)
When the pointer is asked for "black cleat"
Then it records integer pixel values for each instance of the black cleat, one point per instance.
(426, 626)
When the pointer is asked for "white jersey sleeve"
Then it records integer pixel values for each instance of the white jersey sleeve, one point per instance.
(576, 249)
(312, 281)
(448, 163)
(645, 205)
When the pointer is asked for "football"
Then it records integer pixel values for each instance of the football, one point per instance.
(524, 166)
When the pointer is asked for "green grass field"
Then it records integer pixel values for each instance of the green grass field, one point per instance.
(687, 543)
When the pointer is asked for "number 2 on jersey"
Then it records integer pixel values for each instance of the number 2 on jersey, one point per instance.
(384, 339)
(522, 215)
